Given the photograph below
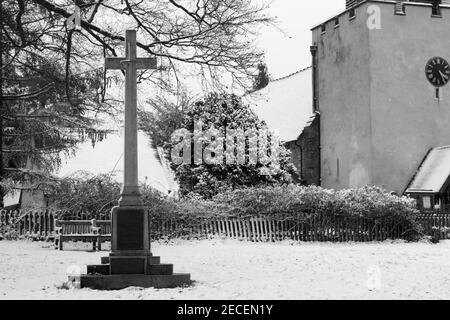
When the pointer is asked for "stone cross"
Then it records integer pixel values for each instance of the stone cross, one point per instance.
(130, 195)
(130, 262)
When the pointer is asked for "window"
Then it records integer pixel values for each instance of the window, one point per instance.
(336, 22)
(426, 200)
(352, 13)
(324, 28)
(399, 8)
(435, 10)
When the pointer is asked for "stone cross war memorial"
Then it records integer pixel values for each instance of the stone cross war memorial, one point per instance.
(131, 262)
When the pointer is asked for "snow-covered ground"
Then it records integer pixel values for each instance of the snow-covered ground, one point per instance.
(226, 269)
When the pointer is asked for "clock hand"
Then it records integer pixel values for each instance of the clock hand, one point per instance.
(444, 77)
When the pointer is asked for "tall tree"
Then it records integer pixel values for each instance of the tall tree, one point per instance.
(210, 37)
(56, 82)
(44, 109)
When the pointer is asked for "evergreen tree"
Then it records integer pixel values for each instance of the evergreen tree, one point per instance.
(46, 110)
(222, 112)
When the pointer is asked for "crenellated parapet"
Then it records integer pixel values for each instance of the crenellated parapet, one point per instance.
(358, 8)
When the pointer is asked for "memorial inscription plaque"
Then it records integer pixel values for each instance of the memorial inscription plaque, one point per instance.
(130, 229)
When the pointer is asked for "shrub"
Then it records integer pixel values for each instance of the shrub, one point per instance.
(374, 206)
(96, 195)
(8, 233)
(223, 112)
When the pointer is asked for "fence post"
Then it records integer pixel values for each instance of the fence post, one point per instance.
(214, 225)
(46, 221)
(265, 229)
(315, 227)
(31, 222)
(341, 229)
(246, 229)
(255, 229)
(40, 216)
(260, 227)
(259, 231)
(232, 230)
(363, 229)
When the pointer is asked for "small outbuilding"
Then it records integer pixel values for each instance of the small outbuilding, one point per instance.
(431, 183)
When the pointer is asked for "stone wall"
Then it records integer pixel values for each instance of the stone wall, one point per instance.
(306, 153)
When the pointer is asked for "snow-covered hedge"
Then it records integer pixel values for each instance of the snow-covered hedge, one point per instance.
(370, 205)
(369, 202)
(296, 203)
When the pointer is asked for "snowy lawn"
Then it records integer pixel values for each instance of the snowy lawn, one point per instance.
(226, 269)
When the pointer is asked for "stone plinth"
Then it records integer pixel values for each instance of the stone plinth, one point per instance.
(156, 275)
(130, 264)
(118, 282)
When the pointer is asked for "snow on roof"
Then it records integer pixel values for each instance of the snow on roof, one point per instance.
(433, 173)
(285, 104)
(107, 157)
(12, 199)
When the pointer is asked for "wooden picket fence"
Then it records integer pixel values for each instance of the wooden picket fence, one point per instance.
(266, 229)
(436, 225)
(41, 223)
(257, 229)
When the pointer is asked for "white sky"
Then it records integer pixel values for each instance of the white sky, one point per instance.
(289, 52)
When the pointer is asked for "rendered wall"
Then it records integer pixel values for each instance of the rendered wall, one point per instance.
(407, 119)
(344, 101)
(379, 115)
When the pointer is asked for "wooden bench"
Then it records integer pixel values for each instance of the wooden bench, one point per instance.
(103, 229)
(95, 231)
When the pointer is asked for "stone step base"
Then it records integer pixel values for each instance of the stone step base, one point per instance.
(160, 269)
(152, 269)
(102, 269)
(152, 260)
(117, 282)
(105, 260)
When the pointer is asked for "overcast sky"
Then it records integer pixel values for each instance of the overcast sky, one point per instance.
(289, 52)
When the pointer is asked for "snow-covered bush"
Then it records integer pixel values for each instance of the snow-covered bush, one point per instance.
(92, 194)
(223, 113)
(376, 207)
(356, 209)
(8, 233)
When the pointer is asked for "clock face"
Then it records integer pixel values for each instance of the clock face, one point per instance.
(438, 71)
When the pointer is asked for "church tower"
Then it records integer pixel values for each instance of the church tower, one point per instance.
(380, 86)
(351, 3)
